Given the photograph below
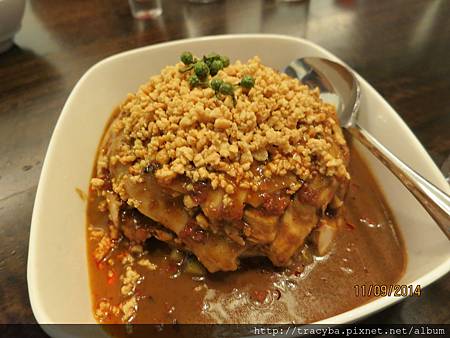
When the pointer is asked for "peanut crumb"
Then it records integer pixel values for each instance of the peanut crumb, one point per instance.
(129, 309)
(146, 263)
(130, 278)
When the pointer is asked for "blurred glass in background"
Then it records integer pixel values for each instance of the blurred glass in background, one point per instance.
(201, 1)
(145, 9)
(258, 16)
(11, 12)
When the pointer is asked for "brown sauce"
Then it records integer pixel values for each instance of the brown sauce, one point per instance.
(368, 250)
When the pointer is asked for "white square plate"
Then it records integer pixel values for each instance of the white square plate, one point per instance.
(57, 265)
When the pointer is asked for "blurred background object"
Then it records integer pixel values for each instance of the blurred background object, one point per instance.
(145, 9)
(201, 1)
(11, 12)
(269, 16)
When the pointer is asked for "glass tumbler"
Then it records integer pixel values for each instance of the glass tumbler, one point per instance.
(145, 9)
(201, 1)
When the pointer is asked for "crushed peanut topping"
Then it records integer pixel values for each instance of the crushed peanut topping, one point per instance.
(105, 310)
(279, 126)
(145, 262)
(129, 309)
(103, 248)
(129, 281)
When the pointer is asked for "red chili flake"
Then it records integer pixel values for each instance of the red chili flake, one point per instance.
(100, 265)
(259, 295)
(172, 268)
(186, 232)
(111, 279)
(108, 185)
(307, 195)
(199, 236)
(193, 231)
(234, 212)
(200, 193)
(355, 185)
(350, 225)
(275, 203)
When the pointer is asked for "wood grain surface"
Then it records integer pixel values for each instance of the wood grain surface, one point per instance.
(402, 47)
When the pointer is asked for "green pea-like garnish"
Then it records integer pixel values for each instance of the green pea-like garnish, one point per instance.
(226, 88)
(225, 61)
(201, 69)
(216, 83)
(216, 65)
(194, 80)
(187, 58)
(247, 82)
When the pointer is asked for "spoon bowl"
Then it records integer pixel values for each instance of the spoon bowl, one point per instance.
(336, 83)
(339, 87)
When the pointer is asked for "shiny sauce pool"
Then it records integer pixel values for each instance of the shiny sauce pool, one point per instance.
(368, 250)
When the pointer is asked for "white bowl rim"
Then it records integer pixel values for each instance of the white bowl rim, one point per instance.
(346, 317)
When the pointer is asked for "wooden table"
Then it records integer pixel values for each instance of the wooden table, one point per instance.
(402, 47)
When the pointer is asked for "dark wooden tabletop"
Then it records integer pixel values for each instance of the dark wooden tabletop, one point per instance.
(402, 47)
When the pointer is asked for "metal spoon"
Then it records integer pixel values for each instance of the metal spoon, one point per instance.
(339, 86)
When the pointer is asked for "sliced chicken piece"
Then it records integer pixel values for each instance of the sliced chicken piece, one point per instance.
(114, 203)
(260, 228)
(319, 192)
(235, 210)
(324, 234)
(216, 253)
(155, 204)
(212, 206)
(138, 228)
(175, 188)
(136, 234)
(255, 199)
(234, 234)
(295, 225)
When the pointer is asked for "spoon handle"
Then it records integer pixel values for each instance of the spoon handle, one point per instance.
(434, 200)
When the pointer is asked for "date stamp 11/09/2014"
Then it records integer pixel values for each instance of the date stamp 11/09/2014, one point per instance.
(395, 290)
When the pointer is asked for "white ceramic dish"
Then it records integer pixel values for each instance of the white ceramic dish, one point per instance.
(57, 265)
